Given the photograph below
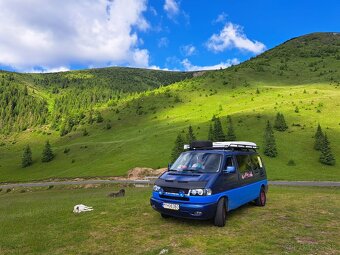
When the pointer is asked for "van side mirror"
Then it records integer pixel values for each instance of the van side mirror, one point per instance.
(229, 170)
(169, 166)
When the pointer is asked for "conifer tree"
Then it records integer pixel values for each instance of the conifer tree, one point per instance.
(230, 130)
(326, 156)
(280, 123)
(47, 154)
(211, 133)
(85, 132)
(178, 148)
(269, 142)
(190, 135)
(218, 131)
(319, 138)
(27, 157)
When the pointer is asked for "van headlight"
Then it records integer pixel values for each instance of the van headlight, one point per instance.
(200, 192)
(156, 188)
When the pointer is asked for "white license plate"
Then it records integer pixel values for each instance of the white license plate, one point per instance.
(171, 206)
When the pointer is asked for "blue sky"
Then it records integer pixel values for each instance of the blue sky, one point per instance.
(185, 35)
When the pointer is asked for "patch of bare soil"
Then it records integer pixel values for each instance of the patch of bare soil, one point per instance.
(138, 173)
(305, 240)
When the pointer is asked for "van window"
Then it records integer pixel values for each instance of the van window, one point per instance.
(256, 162)
(228, 162)
(244, 163)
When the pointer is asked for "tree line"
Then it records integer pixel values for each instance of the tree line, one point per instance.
(216, 133)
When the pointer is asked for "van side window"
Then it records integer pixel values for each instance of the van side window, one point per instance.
(257, 163)
(228, 162)
(244, 163)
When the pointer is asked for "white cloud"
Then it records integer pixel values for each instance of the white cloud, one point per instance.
(188, 50)
(221, 18)
(188, 66)
(171, 7)
(47, 35)
(163, 42)
(48, 70)
(232, 36)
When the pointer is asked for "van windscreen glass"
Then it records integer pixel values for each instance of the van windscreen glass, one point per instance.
(196, 161)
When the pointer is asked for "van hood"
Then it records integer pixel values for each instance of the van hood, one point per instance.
(184, 180)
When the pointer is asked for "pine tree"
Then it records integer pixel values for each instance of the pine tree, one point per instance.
(280, 123)
(230, 130)
(85, 132)
(269, 142)
(326, 156)
(211, 133)
(190, 135)
(218, 131)
(27, 157)
(47, 154)
(178, 148)
(319, 138)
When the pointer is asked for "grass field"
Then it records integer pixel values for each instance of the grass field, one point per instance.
(294, 221)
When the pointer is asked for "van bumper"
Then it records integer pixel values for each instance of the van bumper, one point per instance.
(186, 210)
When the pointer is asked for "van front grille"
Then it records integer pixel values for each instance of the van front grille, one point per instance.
(174, 197)
(175, 190)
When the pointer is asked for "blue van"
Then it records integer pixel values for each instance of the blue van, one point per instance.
(209, 179)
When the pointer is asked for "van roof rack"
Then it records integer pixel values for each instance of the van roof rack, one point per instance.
(208, 145)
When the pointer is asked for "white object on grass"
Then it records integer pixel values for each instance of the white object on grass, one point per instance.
(82, 208)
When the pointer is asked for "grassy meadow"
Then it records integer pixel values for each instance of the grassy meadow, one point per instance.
(41, 221)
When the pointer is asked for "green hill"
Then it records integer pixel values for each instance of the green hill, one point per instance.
(130, 125)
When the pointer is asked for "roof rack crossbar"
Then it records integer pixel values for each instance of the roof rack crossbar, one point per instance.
(226, 145)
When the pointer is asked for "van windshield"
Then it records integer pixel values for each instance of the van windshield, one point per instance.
(195, 161)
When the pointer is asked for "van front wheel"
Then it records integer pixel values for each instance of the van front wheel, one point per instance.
(221, 213)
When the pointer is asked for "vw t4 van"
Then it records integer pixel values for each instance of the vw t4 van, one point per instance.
(209, 179)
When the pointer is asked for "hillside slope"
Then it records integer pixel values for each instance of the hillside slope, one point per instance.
(299, 78)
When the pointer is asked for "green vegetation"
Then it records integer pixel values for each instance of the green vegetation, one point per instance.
(319, 138)
(230, 136)
(190, 135)
(326, 156)
(218, 134)
(27, 157)
(47, 154)
(145, 120)
(178, 148)
(280, 122)
(269, 142)
(291, 222)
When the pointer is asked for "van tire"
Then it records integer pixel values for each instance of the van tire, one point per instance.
(262, 199)
(221, 213)
(165, 216)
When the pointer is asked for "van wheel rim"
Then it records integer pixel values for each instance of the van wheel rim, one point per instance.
(262, 197)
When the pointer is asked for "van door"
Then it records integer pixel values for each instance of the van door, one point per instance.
(229, 182)
(247, 177)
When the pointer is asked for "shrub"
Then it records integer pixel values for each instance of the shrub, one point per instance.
(291, 162)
